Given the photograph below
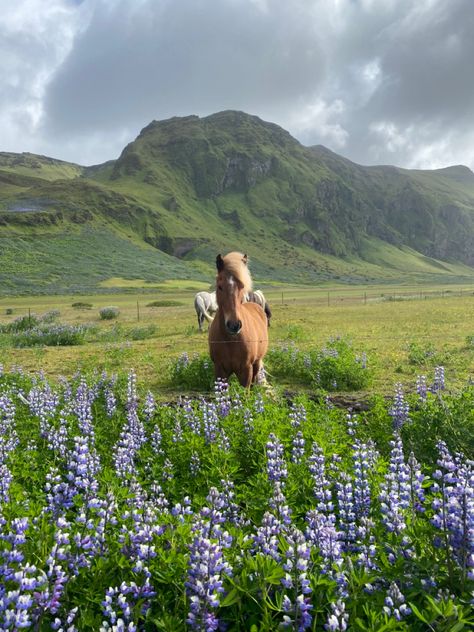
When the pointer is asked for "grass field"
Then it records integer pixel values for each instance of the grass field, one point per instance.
(405, 331)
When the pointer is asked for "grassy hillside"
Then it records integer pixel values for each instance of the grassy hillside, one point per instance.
(188, 188)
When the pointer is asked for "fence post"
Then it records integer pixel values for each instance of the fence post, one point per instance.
(138, 312)
(328, 299)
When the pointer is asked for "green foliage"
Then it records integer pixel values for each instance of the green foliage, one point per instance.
(334, 367)
(141, 333)
(22, 323)
(81, 305)
(420, 354)
(195, 373)
(164, 303)
(109, 313)
(50, 335)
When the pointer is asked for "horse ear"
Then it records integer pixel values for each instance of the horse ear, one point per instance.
(245, 259)
(219, 263)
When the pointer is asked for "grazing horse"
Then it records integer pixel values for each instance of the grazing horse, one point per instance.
(205, 305)
(258, 297)
(238, 336)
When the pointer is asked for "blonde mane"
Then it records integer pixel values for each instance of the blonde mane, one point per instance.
(235, 264)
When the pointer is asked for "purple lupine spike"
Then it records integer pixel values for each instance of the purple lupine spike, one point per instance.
(259, 405)
(194, 464)
(297, 449)
(265, 540)
(338, 619)
(190, 417)
(395, 605)
(395, 491)
(322, 487)
(156, 439)
(439, 383)
(400, 409)
(416, 484)
(204, 584)
(421, 387)
(248, 421)
(347, 516)
(297, 415)
(296, 582)
(110, 402)
(149, 406)
(362, 468)
(132, 437)
(276, 466)
(454, 507)
(222, 397)
(210, 421)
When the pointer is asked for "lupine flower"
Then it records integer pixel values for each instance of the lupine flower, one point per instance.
(210, 421)
(395, 603)
(265, 540)
(222, 397)
(454, 510)
(297, 415)
(421, 387)
(338, 619)
(204, 584)
(276, 466)
(439, 380)
(347, 514)
(322, 533)
(321, 485)
(362, 467)
(194, 464)
(248, 421)
(297, 450)
(149, 407)
(296, 582)
(395, 491)
(400, 409)
(416, 484)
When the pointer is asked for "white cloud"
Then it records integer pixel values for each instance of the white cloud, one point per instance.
(380, 81)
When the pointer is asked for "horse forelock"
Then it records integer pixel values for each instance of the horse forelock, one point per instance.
(235, 266)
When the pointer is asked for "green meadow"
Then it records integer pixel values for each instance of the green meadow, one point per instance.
(404, 331)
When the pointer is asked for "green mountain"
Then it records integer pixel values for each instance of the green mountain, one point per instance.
(188, 188)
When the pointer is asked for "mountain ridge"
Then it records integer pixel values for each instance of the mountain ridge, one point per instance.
(189, 187)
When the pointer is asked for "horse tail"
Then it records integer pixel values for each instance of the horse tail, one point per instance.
(201, 309)
(268, 312)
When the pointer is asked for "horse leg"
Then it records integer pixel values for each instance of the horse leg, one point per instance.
(258, 373)
(220, 372)
(245, 376)
(200, 321)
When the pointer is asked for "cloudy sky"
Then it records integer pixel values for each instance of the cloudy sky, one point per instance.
(378, 81)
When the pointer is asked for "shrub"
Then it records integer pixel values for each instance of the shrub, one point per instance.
(196, 373)
(334, 367)
(8, 311)
(141, 333)
(22, 323)
(109, 313)
(50, 335)
(50, 316)
(165, 303)
(81, 305)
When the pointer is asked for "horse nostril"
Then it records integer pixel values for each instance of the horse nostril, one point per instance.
(233, 327)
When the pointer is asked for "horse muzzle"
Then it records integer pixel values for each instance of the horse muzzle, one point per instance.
(233, 327)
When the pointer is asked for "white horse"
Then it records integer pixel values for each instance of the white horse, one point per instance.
(258, 297)
(205, 304)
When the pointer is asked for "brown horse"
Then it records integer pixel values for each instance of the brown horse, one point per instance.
(238, 336)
